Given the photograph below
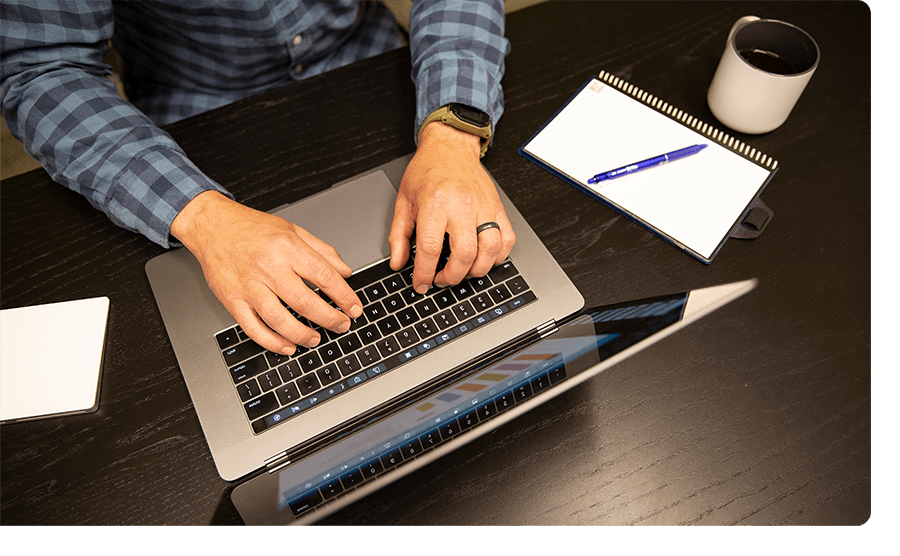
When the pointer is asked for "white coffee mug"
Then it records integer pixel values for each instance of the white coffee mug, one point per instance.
(764, 69)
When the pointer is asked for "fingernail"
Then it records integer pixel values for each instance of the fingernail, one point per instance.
(422, 289)
(355, 311)
(290, 350)
(343, 327)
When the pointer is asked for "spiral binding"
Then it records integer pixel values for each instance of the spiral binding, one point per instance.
(679, 115)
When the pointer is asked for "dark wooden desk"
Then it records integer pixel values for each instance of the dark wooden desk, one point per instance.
(758, 414)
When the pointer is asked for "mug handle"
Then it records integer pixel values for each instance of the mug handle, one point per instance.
(738, 24)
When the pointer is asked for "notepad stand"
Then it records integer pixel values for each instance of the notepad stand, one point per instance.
(754, 222)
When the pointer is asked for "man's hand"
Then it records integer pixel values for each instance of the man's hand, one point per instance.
(445, 189)
(252, 260)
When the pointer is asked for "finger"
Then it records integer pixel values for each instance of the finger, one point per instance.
(402, 226)
(463, 251)
(490, 242)
(328, 274)
(264, 335)
(508, 238)
(311, 305)
(429, 244)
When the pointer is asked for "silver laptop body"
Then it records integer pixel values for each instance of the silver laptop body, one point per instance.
(353, 216)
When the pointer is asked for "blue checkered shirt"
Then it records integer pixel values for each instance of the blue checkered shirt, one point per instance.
(187, 56)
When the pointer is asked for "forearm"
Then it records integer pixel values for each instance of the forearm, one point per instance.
(458, 52)
(58, 101)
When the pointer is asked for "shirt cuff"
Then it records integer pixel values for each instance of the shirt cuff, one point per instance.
(152, 189)
(465, 81)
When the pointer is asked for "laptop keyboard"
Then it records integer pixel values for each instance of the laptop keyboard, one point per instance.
(397, 325)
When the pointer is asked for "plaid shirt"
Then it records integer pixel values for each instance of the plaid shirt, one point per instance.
(184, 57)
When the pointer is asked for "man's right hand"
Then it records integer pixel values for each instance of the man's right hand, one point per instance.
(252, 260)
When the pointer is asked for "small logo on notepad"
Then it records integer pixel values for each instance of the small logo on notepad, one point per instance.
(596, 86)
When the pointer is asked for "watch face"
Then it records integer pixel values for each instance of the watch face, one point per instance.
(469, 115)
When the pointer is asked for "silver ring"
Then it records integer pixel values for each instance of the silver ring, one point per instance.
(486, 226)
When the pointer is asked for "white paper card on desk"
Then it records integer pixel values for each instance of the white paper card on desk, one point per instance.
(51, 357)
(693, 202)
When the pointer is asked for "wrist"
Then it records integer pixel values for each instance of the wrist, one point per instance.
(440, 135)
(190, 223)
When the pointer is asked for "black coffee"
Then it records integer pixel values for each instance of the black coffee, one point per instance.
(767, 61)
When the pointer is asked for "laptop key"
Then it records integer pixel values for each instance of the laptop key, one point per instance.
(463, 311)
(375, 292)
(394, 303)
(330, 352)
(462, 290)
(260, 406)
(407, 337)
(369, 334)
(248, 390)
(480, 283)
(290, 370)
(394, 283)
(481, 302)
(287, 393)
(388, 346)
(503, 271)
(310, 361)
(249, 368)
(426, 328)
(227, 338)
(348, 365)
(368, 355)
(499, 293)
(445, 319)
(388, 326)
(269, 380)
(349, 343)
(308, 384)
(328, 374)
(517, 285)
(407, 316)
(444, 299)
(426, 308)
(244, 350)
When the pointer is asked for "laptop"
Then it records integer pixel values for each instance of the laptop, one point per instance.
(314, 483)
(258, 409)
(415, 378)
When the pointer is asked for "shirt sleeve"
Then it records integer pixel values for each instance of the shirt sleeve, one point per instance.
(58, 101)
(458, 50)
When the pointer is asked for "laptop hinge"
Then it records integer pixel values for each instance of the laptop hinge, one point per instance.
(547, 328)
(277, 462)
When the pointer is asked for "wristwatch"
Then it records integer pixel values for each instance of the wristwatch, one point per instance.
(464, 118)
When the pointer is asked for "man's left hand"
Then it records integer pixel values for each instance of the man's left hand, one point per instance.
(445, 189)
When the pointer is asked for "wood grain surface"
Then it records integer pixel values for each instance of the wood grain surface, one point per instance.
(758, 414)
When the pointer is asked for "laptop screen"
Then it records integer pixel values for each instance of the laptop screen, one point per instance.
(437, 419)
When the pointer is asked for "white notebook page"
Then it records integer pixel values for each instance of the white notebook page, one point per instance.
(694, 201)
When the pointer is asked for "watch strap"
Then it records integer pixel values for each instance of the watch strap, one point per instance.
(447, 116)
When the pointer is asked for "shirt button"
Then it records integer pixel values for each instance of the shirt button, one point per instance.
(297, 40)
(298, 68)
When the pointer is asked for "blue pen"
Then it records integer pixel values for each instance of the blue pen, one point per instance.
(649, 163)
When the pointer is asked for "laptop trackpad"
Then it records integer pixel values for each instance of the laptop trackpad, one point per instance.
(354, 218)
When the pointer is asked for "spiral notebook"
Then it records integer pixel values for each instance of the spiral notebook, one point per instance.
(693, 203)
